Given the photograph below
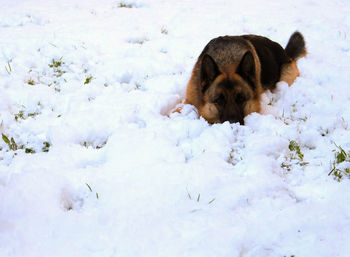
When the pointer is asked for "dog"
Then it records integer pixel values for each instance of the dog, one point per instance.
(232, 72)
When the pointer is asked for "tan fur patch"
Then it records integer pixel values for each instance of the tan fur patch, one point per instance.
(230, 68)
(289, 73)
(193, 94)
(178, 110)
(209, 112)
(252, 106)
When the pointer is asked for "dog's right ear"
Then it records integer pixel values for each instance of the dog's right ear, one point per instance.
(209, 71)
(246, 68)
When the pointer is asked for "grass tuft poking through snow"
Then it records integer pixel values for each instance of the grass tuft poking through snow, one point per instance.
(341, 164)
(124, 5)
(294, 147)
(88, 80)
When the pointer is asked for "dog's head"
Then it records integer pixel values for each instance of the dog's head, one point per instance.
(229, 93)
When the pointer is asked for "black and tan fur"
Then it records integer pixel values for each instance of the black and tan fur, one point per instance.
(232, 72)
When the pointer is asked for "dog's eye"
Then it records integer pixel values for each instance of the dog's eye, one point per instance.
(240, 98)
(220, 100)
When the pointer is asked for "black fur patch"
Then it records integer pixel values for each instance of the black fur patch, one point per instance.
(246, 69)
(209, 71)
(296, 46)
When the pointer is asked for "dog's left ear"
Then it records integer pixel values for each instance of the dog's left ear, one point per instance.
(209, 71)
(246, 68)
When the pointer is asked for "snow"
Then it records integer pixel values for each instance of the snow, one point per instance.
(89, 86)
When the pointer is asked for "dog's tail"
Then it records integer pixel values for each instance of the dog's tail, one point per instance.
(295, 48)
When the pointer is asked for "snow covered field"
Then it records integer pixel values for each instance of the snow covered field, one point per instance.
(92, 166)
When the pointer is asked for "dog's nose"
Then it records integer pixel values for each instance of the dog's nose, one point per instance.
(235, 120)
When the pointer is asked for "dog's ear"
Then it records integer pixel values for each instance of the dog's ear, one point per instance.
(246, 68)
(209, 71)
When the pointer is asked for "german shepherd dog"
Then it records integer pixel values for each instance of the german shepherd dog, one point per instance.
(232, 72)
